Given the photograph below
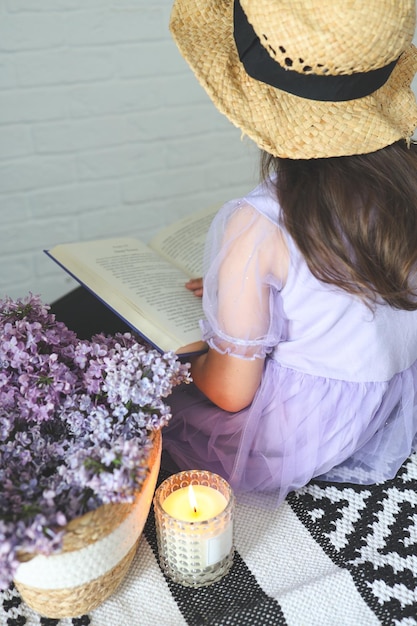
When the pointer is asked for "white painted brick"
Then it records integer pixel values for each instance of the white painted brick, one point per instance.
(50, 6)
(176, 122)
(7, 73)
(52, 287)
(16, 267)
(120, 221)
(27, 174)
(13, 209)
(37, 234)
(231, 177)
(171, 91)
(149, 58)
(50, 284)
(80, 135)
(88, 28)
(119, 163)
(66, 66)
(32, 105)
(111, 98)
(137, 5)
(133, 95)
(170, 187)
(217, 148)
(29, 32)
(76, 200)
(159, 186)
(15, 141)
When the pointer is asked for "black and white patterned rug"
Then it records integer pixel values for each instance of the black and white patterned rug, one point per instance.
(372, 533)
(332, 554)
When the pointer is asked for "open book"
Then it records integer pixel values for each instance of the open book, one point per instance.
(144, 283)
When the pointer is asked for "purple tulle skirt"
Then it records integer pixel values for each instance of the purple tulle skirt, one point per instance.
(298, 427)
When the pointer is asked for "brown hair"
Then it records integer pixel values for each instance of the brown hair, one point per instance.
(354, 220)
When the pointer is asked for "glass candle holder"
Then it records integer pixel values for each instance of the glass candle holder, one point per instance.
(194, 527)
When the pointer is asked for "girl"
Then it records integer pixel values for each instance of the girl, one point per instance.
(310, 287)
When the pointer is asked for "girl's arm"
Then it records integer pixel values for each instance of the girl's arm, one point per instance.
(228, 381)
(237, 303)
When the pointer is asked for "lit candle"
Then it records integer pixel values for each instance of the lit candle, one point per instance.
(195, 503)
(194, 523)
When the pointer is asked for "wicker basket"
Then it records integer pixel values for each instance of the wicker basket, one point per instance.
(98, 549)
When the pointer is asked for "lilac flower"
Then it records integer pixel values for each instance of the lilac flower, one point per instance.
(76, 424)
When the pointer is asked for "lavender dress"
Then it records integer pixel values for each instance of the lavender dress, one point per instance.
(338, 393)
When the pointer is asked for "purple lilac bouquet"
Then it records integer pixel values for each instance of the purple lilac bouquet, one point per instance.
(76, 423)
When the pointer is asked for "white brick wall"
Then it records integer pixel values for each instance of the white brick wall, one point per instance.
(103, 131)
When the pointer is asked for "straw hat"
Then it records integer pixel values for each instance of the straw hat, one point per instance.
(317, 78)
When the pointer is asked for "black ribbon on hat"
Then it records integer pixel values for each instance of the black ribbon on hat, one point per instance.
(323, 87)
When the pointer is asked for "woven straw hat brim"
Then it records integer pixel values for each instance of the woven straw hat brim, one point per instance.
(280, 123)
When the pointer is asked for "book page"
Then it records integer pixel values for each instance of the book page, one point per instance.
(183, 242)
(142, 287)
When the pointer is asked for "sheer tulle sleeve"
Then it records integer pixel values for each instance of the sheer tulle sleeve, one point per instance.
(241, 300)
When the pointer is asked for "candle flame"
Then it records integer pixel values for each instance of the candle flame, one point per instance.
(192, 498)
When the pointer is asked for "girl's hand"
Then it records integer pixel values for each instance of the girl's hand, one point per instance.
(196, 286)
